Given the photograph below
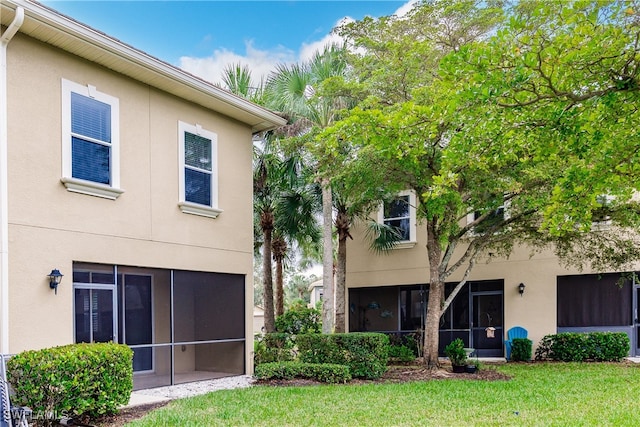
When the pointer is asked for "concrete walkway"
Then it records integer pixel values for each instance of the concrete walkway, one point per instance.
(178, 391)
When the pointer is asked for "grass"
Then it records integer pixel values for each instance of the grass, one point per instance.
(540, 394)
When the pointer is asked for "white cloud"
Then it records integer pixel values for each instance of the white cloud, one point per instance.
(307, 50)
(405, 8)
(262, 62)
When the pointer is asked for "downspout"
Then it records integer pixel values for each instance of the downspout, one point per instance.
(5, 38)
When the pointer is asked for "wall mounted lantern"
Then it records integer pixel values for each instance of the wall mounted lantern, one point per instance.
(521, 288)
(55, 277)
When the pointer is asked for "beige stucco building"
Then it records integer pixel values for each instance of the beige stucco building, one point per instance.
(133, 179)
(389, 292)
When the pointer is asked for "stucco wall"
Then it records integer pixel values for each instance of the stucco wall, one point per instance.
(50, 227)
(535, 310)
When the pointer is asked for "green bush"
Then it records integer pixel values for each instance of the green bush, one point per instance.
(456, 353)
(521, 350)
(300, 319)
(579, 347)
(404, 340)
(326, 372)
(73, 380)
(571, 347)
(275, 347)
(402, 353)
(543, 352)
(365, 353)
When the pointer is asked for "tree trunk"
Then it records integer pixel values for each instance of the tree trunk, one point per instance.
(279, 288)
(327, 258)
(432, 324)
(342, 224)
(267, 282)
(436, 297)
(279, 250)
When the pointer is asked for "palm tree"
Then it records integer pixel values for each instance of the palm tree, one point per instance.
(265, 182)
(293, 91)
(284, 204)
(296, 225)
(236, 78)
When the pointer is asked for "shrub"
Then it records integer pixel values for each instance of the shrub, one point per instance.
(326, 372)
(571, 347)
(456, 353)
(402, 353)
(275, 347)
(543, 352)
(300, 319)
(609, 346)
(521, 350)
(365, 353)
(73, 380)
(404, 340)
(579, 347)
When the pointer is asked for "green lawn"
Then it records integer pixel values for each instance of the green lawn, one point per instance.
(538, 395)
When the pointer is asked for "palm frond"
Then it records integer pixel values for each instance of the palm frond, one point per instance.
(382, 237)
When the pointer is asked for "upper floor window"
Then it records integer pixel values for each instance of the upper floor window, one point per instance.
(492, 220)
(90, 141)
(400, 213)
(602, 212)
(198, 170)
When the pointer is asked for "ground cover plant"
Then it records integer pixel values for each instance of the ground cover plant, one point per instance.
(550, 394)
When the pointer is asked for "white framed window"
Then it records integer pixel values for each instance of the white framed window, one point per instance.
(90, 141)
(498, 215)
(198, 153)
(400, 213)
(601, 218)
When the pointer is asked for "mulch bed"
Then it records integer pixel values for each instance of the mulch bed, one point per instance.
(404, 373)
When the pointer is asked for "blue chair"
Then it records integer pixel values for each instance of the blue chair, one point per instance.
(515, 332)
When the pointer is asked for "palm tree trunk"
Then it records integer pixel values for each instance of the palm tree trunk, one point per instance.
(327, 258)
(269, 317)
(279, 287)
(279, 251)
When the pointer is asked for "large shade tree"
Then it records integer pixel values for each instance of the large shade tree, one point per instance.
(510, 131)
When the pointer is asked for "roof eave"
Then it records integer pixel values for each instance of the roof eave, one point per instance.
(49, 26)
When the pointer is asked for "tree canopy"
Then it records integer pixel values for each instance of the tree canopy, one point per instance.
(513, 124)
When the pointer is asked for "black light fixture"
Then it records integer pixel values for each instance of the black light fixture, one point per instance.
(55, 277)
(521, 288)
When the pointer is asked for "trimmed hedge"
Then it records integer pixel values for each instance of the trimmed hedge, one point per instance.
(365, 353)
(326, 372)
(579, 347)
(73, 380)
(521, 350)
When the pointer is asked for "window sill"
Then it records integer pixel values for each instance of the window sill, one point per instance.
(91, 188)
(195, 209)
(404, 245)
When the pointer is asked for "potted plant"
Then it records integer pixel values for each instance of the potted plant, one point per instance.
(457, 355)
(470, 368)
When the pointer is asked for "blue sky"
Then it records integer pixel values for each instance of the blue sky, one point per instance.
(202, 37)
